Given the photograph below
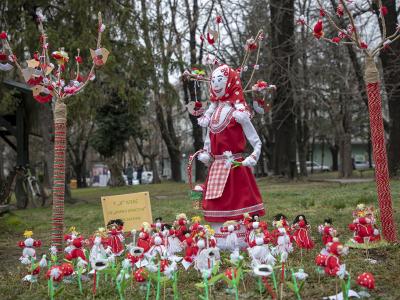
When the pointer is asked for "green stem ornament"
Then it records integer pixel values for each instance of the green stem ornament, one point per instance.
(148, 288)
(296, 288)
(175, 285)
(158, 281)
(80, 279)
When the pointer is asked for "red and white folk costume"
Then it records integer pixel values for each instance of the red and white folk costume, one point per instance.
(116, 239)
(229, 192)
(327, 231)
(301, 234)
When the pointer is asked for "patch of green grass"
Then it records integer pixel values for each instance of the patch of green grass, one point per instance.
(317, 200)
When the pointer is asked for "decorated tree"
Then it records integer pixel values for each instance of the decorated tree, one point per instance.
(48, 82)
(351, 36)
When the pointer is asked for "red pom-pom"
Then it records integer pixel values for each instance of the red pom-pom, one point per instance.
(218, 19)
(210, 39)
(3, 35)
(384, 10)
(366, 280)
(336, 40)
(318, 29)
(363, 45)
(322, 12)
(198, 104)
(141, 275)
(21, 244)
(320, 260)
(67, 269)
(37, 243)
(78, 59)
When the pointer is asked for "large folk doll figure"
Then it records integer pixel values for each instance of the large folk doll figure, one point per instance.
(230, 189)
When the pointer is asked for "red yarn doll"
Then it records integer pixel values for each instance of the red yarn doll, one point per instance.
(301, 233)
(144, 237)
(115, 237)
(180, 225)
(327, 231)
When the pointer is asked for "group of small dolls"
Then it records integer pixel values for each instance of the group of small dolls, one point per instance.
(191, 243)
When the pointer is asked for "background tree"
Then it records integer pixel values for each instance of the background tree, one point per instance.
(111, 135)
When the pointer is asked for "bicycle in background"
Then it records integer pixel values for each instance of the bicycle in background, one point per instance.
(24, 185)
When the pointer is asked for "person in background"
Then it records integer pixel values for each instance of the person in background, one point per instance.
(129, 173)
(139, 173)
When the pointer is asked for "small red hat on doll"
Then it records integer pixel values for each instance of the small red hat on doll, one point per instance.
(327, 231)
(301, 233)
(28, 247)
(363, 226)
(116, 236)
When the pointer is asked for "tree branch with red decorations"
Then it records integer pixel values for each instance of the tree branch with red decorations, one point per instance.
(351, 35)
(48, 83)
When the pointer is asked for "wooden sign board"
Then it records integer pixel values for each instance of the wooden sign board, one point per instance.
(133, 209)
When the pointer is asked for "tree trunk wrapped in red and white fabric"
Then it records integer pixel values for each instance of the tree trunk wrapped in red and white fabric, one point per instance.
(351, 36)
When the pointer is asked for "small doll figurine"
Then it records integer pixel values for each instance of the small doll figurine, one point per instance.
(76, 249)
(157, 247)
(254, 228)
(115, 237)
(173, 242)
(180, 224)
(333, 267)
(301, 234)
(282, 241)
(144, 237)
(196, 227)
(365, 230)
(191, 251)
(28, 247)
(231, 241)
(281, 220)
(259, 251)
(327, 231)
(99, 257)
(158, 225)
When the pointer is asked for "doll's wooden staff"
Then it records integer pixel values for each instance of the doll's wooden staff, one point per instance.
(351, 37)
(40, 75)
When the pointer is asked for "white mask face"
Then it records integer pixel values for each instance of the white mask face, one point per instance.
(218, 82)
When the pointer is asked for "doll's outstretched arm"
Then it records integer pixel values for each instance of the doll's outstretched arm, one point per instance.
(204, 120)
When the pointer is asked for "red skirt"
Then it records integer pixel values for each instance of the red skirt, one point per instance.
(241, 195)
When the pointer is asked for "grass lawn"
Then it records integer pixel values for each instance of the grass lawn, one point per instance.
(317, 200)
